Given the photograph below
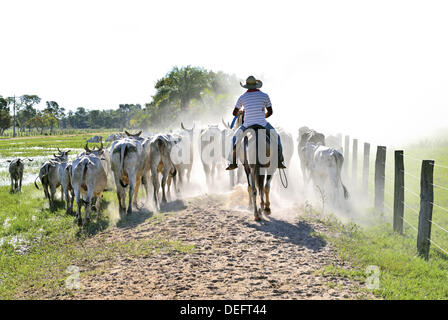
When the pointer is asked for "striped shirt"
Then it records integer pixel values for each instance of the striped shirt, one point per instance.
(254, 103)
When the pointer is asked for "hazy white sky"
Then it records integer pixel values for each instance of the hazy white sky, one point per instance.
(369, 68)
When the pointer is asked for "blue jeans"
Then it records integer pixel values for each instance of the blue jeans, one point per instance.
(268, 128)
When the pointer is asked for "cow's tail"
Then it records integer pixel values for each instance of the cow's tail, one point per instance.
(120, 170)
(83, 178)
(45, 168)
(35, 183)
(339, 163)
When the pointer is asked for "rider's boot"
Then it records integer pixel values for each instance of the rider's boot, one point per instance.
(280, 159)
(233, 164)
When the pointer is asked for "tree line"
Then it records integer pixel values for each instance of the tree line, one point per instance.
(183, 92)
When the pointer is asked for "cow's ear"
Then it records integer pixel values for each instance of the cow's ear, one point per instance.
(30, 159)
(8, 160)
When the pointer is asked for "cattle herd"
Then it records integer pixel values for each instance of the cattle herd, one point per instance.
(160, 161)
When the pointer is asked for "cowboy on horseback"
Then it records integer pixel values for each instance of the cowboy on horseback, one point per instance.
(257, 107)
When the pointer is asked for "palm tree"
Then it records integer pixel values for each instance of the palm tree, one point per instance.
(180, 86)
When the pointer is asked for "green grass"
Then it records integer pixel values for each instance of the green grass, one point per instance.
(50, 242)
(404, 275)
(44, 145)
(37, 245)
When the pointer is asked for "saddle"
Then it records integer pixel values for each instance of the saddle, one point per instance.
(255, 128)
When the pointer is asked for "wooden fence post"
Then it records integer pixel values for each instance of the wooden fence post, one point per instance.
(380, 169)
(365, 169)
(426, 201)
(339, 136)
(399, 192)
(355, 162)
(346, 155)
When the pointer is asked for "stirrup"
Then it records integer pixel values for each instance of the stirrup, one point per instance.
(232, 166)
(281, 165)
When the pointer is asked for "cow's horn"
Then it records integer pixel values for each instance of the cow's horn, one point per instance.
(87, 148)
(182, 126)
(127, 133)
(59, 150)
(101, 146)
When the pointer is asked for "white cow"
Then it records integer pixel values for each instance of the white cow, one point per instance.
(325, 165)
(211, 145)
(160, 162)
(129, 162)
(88, 179)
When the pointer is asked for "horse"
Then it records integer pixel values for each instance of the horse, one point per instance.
(259, 175)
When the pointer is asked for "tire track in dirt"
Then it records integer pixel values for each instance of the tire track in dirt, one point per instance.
(234, 258)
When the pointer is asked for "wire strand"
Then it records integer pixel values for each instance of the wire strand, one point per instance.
(412, 192)
(412, 209)
(409, 224)
(440, 187)
(438, 226)
(408, 156)
(438, 246)
(410, 175)
(440, 207)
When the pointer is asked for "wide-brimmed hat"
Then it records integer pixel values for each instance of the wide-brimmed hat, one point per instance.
(252, 83)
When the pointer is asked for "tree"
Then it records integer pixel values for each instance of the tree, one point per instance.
(26, 114)
(180, 86)
(5, 117)
(25, 102)
(54, 111)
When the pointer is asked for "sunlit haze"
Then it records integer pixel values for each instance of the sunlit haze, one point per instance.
(377, 70)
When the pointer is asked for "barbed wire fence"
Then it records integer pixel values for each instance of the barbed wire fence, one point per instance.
(421, 209)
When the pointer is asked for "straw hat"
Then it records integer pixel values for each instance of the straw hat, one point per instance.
(252, 83)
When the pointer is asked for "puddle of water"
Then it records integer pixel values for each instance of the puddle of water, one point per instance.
(31, 168)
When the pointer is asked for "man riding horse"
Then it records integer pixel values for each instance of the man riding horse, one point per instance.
(257, 107)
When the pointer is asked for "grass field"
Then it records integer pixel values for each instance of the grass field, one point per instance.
(404, 275)
(37, 245)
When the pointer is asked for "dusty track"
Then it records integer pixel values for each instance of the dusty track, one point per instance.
(234, 258)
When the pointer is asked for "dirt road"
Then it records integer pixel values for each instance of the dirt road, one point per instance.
(234, 257)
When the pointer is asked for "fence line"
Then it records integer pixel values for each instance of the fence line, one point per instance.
(395, 175)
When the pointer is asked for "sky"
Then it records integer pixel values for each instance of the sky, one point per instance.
(377, 70)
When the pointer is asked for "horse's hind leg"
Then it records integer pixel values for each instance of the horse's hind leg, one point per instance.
(267, 189)
(254, 197)
(249, 187)
(260, 185)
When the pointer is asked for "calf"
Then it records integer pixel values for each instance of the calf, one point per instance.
(16, 167)
(48, 176)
